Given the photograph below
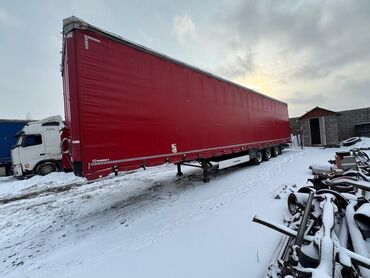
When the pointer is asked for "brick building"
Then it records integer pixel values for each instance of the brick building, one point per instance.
(322, 127)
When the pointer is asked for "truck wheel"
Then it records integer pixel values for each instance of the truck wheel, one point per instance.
(267, 154)
(258, 159)
(275, 151)
(46, 168)
(8, 170)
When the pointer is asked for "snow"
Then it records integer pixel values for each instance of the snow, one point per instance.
(359, 244)
(364, 210)
(10, 186)
(150, 223)
(326, 266)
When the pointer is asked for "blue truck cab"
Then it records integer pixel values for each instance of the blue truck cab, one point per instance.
(8, 130)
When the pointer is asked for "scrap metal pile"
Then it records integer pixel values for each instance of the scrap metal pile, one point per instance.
(328, 232)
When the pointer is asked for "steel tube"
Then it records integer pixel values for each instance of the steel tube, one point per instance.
(302, 226)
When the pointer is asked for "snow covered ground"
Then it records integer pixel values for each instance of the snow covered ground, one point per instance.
(149, 223)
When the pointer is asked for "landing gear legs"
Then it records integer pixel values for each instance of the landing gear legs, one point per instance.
(179, 173)
(205, 166)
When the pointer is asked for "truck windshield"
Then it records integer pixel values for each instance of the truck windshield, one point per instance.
(28, 140)
(19, 141)
(31, 140)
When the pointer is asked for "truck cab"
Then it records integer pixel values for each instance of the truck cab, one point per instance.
(37, 150)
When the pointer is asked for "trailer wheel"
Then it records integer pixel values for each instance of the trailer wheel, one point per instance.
(275, 151)
(280, 150)
(46, 168)
(258, 159)
(267, 154)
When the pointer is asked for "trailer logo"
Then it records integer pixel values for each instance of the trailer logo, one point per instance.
(174, 148)
(87, 38)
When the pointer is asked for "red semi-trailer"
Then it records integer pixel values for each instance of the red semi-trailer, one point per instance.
(127, 107)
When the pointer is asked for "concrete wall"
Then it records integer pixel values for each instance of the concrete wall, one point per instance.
(330, 127)
(337, 128)
(348, 119)
(306, 135)
(331, 130)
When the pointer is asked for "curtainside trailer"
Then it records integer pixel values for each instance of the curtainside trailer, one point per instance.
(8, 130)
(127, 106)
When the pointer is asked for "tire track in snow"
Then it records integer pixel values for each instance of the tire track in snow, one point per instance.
(56, 218)
(220, 197)
(123, 201)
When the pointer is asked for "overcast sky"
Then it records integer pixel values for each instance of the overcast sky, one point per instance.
(306, 53)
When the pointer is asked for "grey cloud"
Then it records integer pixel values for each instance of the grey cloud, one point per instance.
(8, 19)
(306, 98)
(345, 94)
(311, 71)
(333, 33)
(350, 94)
(320, 47)
(332, 37)
(270, 20)
(185, 29)
(238, 67)
(358, 89)
(330, 60)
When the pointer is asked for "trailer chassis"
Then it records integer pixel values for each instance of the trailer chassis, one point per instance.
(232, 159)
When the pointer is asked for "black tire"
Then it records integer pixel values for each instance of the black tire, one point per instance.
(8, 170)
(351, 141)
(258, 159)
(275, 151)
(266, 154)
(46, 168)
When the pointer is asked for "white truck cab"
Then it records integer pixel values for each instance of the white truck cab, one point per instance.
(37, 150)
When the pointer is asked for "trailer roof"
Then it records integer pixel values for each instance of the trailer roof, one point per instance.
(73, 23)
(13, 121)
